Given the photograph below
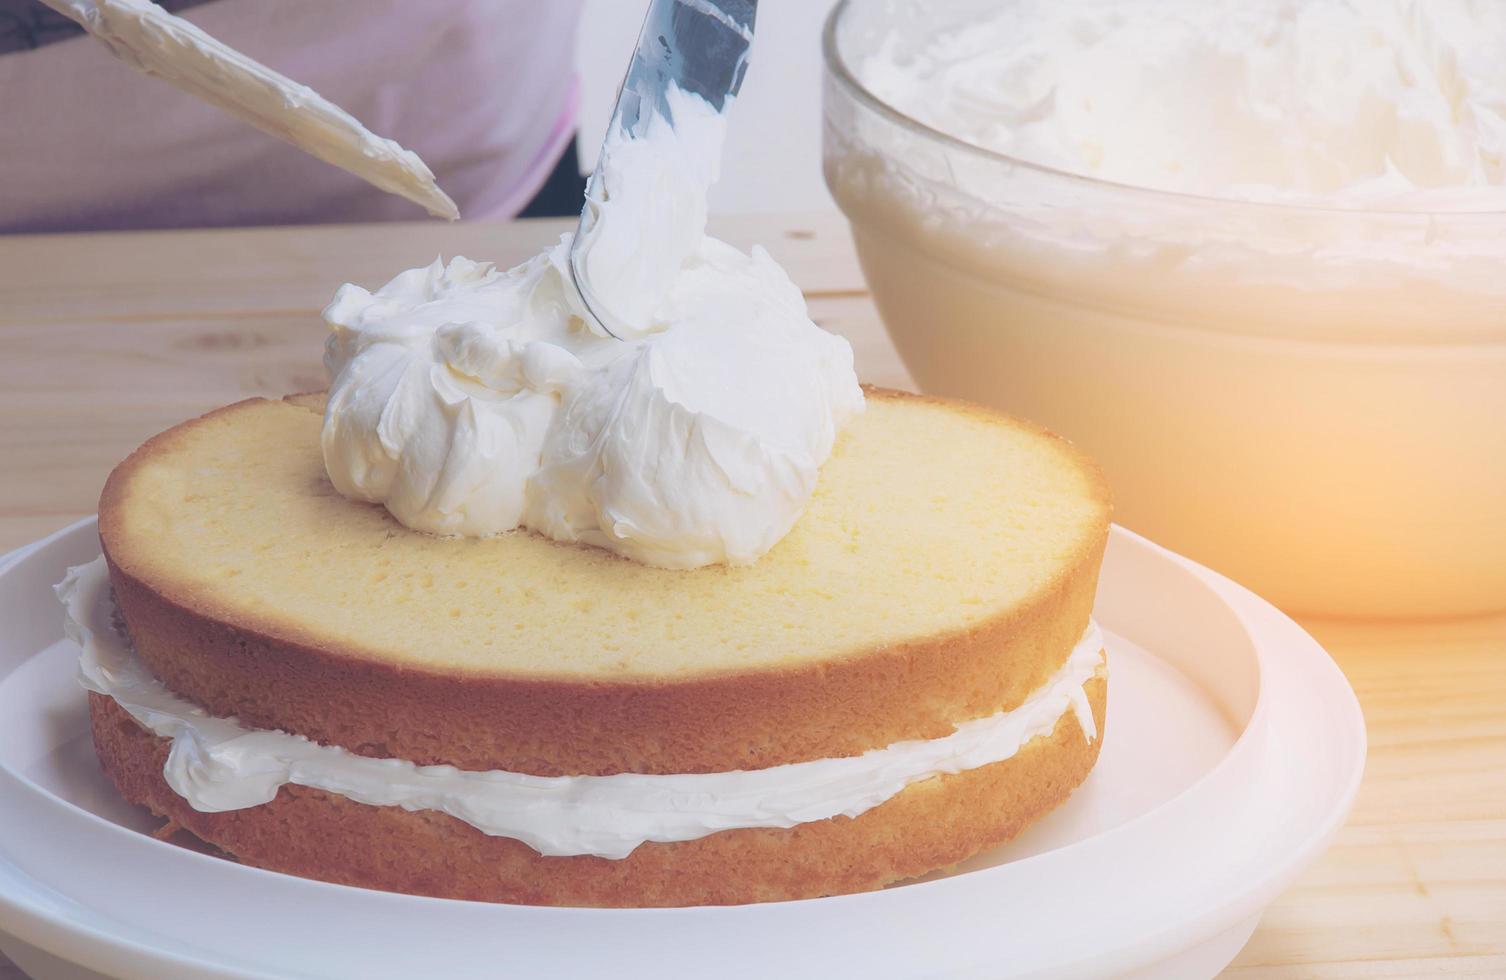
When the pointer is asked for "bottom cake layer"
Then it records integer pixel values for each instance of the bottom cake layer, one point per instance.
(308, 832)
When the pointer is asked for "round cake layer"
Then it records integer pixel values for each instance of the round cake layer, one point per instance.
(944, 569)
(929, 825)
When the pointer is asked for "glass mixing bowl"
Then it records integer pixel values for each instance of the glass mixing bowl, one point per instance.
(1311, 401)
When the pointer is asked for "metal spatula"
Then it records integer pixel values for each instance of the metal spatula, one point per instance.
(701, 46)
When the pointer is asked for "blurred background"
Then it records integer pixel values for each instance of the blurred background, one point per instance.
(475, 87)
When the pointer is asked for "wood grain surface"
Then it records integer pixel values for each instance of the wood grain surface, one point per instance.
(107, 339)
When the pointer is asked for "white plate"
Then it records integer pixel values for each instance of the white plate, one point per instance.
(1234, 748)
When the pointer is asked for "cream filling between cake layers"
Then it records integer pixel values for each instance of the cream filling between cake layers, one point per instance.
(216, 764)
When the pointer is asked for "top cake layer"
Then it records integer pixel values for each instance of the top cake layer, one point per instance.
(944, 570)
(926, 520)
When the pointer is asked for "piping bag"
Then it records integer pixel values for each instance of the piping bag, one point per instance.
(162, 45)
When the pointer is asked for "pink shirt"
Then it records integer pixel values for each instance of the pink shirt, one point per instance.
(483, 90)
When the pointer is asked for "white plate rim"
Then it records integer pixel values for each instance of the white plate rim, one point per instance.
(1252, 611)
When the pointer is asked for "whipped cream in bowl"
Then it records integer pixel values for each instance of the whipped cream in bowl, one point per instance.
(1251, 256)
(1383, 104)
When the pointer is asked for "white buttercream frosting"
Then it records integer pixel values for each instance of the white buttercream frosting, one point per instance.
(216, 764)
(1397, 103)
(157, 43)
(472, 401)
(645, 208)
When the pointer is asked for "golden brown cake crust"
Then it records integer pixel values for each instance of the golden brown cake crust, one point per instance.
(840, 707)
(314, 834)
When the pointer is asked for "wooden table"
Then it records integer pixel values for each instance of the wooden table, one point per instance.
(106, 339)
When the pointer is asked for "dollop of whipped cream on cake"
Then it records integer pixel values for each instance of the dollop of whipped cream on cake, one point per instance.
(473, 401)
(1356, 102)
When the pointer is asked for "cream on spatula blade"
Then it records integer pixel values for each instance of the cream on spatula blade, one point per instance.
(661, 155)
(155, 42)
